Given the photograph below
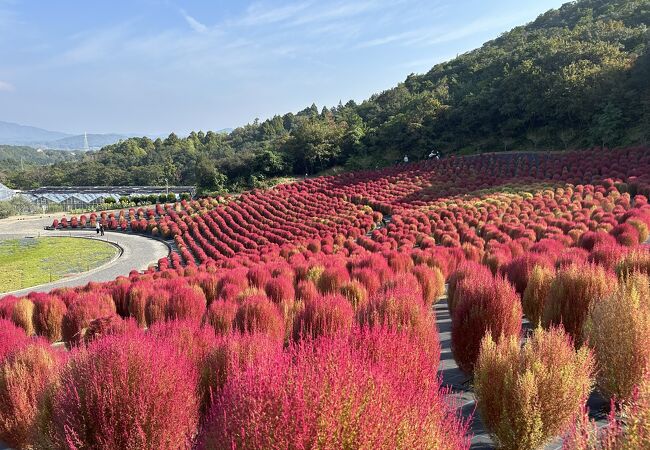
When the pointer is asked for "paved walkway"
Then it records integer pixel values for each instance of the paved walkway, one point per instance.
(137, 252)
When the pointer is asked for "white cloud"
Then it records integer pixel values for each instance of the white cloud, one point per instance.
(261, 14)
(193, 23)
(96, 45)
(6, 87)
(428, 36)
(337, 11)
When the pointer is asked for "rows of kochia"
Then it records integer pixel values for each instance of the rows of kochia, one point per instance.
(298, 318)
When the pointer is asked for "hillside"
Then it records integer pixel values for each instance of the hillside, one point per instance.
(12, 158)
(16, 134)
(576, 77)
(24, 135)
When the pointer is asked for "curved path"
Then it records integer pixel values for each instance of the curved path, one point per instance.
(137, 252)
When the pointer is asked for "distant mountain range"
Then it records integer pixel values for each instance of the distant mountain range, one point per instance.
(16, 134)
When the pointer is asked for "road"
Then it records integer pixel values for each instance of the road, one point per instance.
(137, 252)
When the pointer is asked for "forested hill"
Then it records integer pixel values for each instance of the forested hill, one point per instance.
(575, 77)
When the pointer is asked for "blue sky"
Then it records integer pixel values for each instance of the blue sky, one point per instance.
(155, 66)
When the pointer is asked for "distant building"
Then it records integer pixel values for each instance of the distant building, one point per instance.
(6, 193)
(80, 197)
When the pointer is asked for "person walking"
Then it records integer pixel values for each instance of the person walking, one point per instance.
(102, 228)
(97, 227)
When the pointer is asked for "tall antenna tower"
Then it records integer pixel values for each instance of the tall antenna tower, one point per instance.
(86, 146)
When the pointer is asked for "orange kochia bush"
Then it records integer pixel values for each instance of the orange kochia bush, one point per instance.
(571, 294)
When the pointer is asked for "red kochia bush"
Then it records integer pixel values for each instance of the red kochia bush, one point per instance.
(518, 270)
(626, 234)
(109, 325)
(156, 308)
(220, 316)
(367, 277)
(432, 282)
(137, 301)
(374, 390)
(400, 262)
(7, 306)
(332, 279)
(11, 338)
(607, 255)
(306, 290)
(324, 316)
(466, 269)
(280, 289)
(258, 276)
(187, 303)
(232, 353)
(49, 311)
(257, 314)
(81, 312)
(125, 392)
(24, 377)
(591, 239)
(494, 308)
(188, 337)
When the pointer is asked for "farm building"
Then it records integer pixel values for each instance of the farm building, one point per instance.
(80, 197)
(6, 193)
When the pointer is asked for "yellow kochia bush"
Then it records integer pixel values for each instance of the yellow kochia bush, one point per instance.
(536, 291)
(618, 329)
(528, 394)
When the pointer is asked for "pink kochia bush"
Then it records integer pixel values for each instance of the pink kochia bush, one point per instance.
(629, 431)
(493, 307)
(373, 389)
(125, 392)
(188, 337)
(477, 275)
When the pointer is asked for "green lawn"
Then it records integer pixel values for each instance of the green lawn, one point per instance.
(29, 262)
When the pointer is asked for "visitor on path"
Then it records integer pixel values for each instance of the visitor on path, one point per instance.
(406, 159)
(102, 228)
(97, 227)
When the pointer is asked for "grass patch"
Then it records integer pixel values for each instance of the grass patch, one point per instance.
(30, 262)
